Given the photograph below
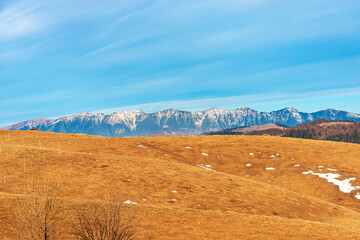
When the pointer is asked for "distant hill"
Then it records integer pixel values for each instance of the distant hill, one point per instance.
(137, 123)
(322, 129)
(340, 131)
(167, 134)
(273, 129)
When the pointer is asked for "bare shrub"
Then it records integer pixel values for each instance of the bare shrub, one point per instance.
(111, 220)
(38, 215)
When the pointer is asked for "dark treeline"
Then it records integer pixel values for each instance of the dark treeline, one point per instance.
(353, 137)
(301, 133)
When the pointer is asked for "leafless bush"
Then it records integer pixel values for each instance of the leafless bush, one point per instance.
(111, 220)
(38, 215)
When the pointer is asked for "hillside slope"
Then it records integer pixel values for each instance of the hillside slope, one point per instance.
(185, 186)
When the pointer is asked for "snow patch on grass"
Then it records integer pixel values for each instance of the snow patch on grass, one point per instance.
(270, 168)
(205, 154)
(344, 185)
(202, 166)
(129, 202)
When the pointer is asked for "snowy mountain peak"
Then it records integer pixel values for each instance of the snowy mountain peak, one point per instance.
(215, 110)
(243, 108)
(289, 109)
(137, 123)
(132, 112)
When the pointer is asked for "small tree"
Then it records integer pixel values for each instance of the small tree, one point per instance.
(38, 215)
(111, 220)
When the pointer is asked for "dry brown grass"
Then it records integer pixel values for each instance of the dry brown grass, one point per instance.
(335, 123)
(38, 215)
(233, 202)
(109, 220)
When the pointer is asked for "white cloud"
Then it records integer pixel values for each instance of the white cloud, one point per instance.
(20, 19)
(236, 101)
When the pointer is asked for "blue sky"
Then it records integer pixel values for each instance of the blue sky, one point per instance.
(64, 57)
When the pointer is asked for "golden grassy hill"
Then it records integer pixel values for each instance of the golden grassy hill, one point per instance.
(194, 187)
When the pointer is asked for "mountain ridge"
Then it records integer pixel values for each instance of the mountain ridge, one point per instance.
(139, 123)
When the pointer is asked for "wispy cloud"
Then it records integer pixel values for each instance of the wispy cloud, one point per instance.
(21, 19)
(39, 98)
(117, 44)
(234, 102)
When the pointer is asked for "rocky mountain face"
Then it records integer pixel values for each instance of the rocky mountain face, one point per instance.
(137, 123)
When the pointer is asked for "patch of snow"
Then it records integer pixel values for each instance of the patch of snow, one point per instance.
(248, 165)
(128, 180)
(129, 202)
(270, 168)
(357, 196)
(277, 154)
(188, 147)
(320, 166)
(273, 156)
(144, 199)
(174, 191)
(174, 200)
(209, 166)
(333, 170)
(205, 154)
(205, 167)
(142, 146)
(344, 185)
(297, 165)
(165, 154)
(251, 154)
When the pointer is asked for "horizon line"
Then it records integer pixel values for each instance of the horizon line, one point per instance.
(151, 112)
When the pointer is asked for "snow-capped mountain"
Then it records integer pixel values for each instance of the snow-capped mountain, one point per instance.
(137, 123)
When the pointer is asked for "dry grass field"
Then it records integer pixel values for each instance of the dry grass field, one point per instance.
(203, 187)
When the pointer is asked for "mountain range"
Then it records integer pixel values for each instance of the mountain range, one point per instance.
(138, 123)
